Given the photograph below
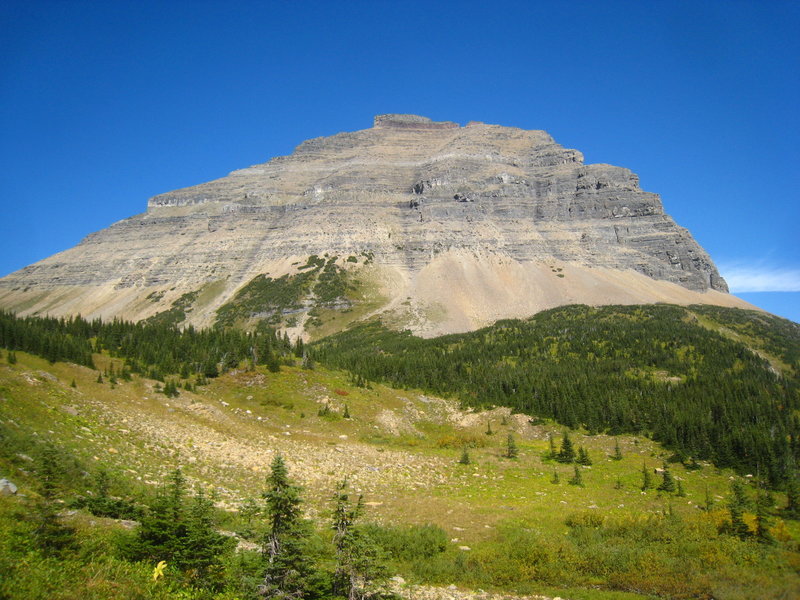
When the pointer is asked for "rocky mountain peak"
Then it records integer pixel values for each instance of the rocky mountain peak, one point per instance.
(450, 227)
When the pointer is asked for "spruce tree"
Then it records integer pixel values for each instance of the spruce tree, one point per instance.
(553, 453)
(680, 492)
(358, 563)
(763, 506)
(346, 413)
(583, 457)
(667, 481)
(792, 509)
(465, 459)
(489, 428)
(709, 501)
(288, 567)
(736, 507)
(555, 479)
(203, 545)
(617, 450)
(647, 479)
(567, 453)
(511, 447)
(577, 478)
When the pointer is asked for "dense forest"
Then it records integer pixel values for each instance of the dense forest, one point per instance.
(153, 349)
(664, 371)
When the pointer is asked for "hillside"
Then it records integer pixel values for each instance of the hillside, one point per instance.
(511, 525)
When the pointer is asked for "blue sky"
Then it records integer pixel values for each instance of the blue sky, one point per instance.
(104, 104)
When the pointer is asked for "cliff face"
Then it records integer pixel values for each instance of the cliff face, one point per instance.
(505, 219)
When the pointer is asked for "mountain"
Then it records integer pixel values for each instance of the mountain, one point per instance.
(439, 228)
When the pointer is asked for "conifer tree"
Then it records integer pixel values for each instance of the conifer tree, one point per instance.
(12, 357)
(617, 450)
(680, 492)
(763, 506)
(583, 457)
(736, 507)
(358, 563)
(709, 501)
(288, 567)
(577, 478)
(203, 545)
(555, 479)
(465, 459)
(667, 481)
(567, 453)
(647, 479)
(553, 453)
(489, 428)
(511, 447)
(346, 413)
(792, 509)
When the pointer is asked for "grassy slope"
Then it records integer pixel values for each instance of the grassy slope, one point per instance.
(400, 449)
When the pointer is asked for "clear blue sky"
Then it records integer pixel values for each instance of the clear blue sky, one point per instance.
(104, 104)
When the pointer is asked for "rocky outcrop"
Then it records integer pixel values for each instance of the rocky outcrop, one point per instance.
(408, 192)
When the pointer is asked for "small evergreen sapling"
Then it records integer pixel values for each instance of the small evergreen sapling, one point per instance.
(583, 457)
(617, 451)
(511, 447)
(647, 478)
(577, 478)
(465, 459)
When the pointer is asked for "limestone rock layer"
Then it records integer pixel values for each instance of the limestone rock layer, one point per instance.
(412, 194)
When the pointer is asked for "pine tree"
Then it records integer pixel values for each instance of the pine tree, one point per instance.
(763, 506)
(489, 428)
(99, 377)
(583, 457)
(709, 501)
(203, 545)
(162, 531)
(358, 563)
(680, 493)
(346, 413)
(12, 357)
(553, 453)
(73, 384)
(577, 478)
(792, 509)
(288, 567)
(667, 482)
(511, 447)
(736, 507)
(567, 453)
(465, 459)
(647, 479)
(617, 450)
(555, 479)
